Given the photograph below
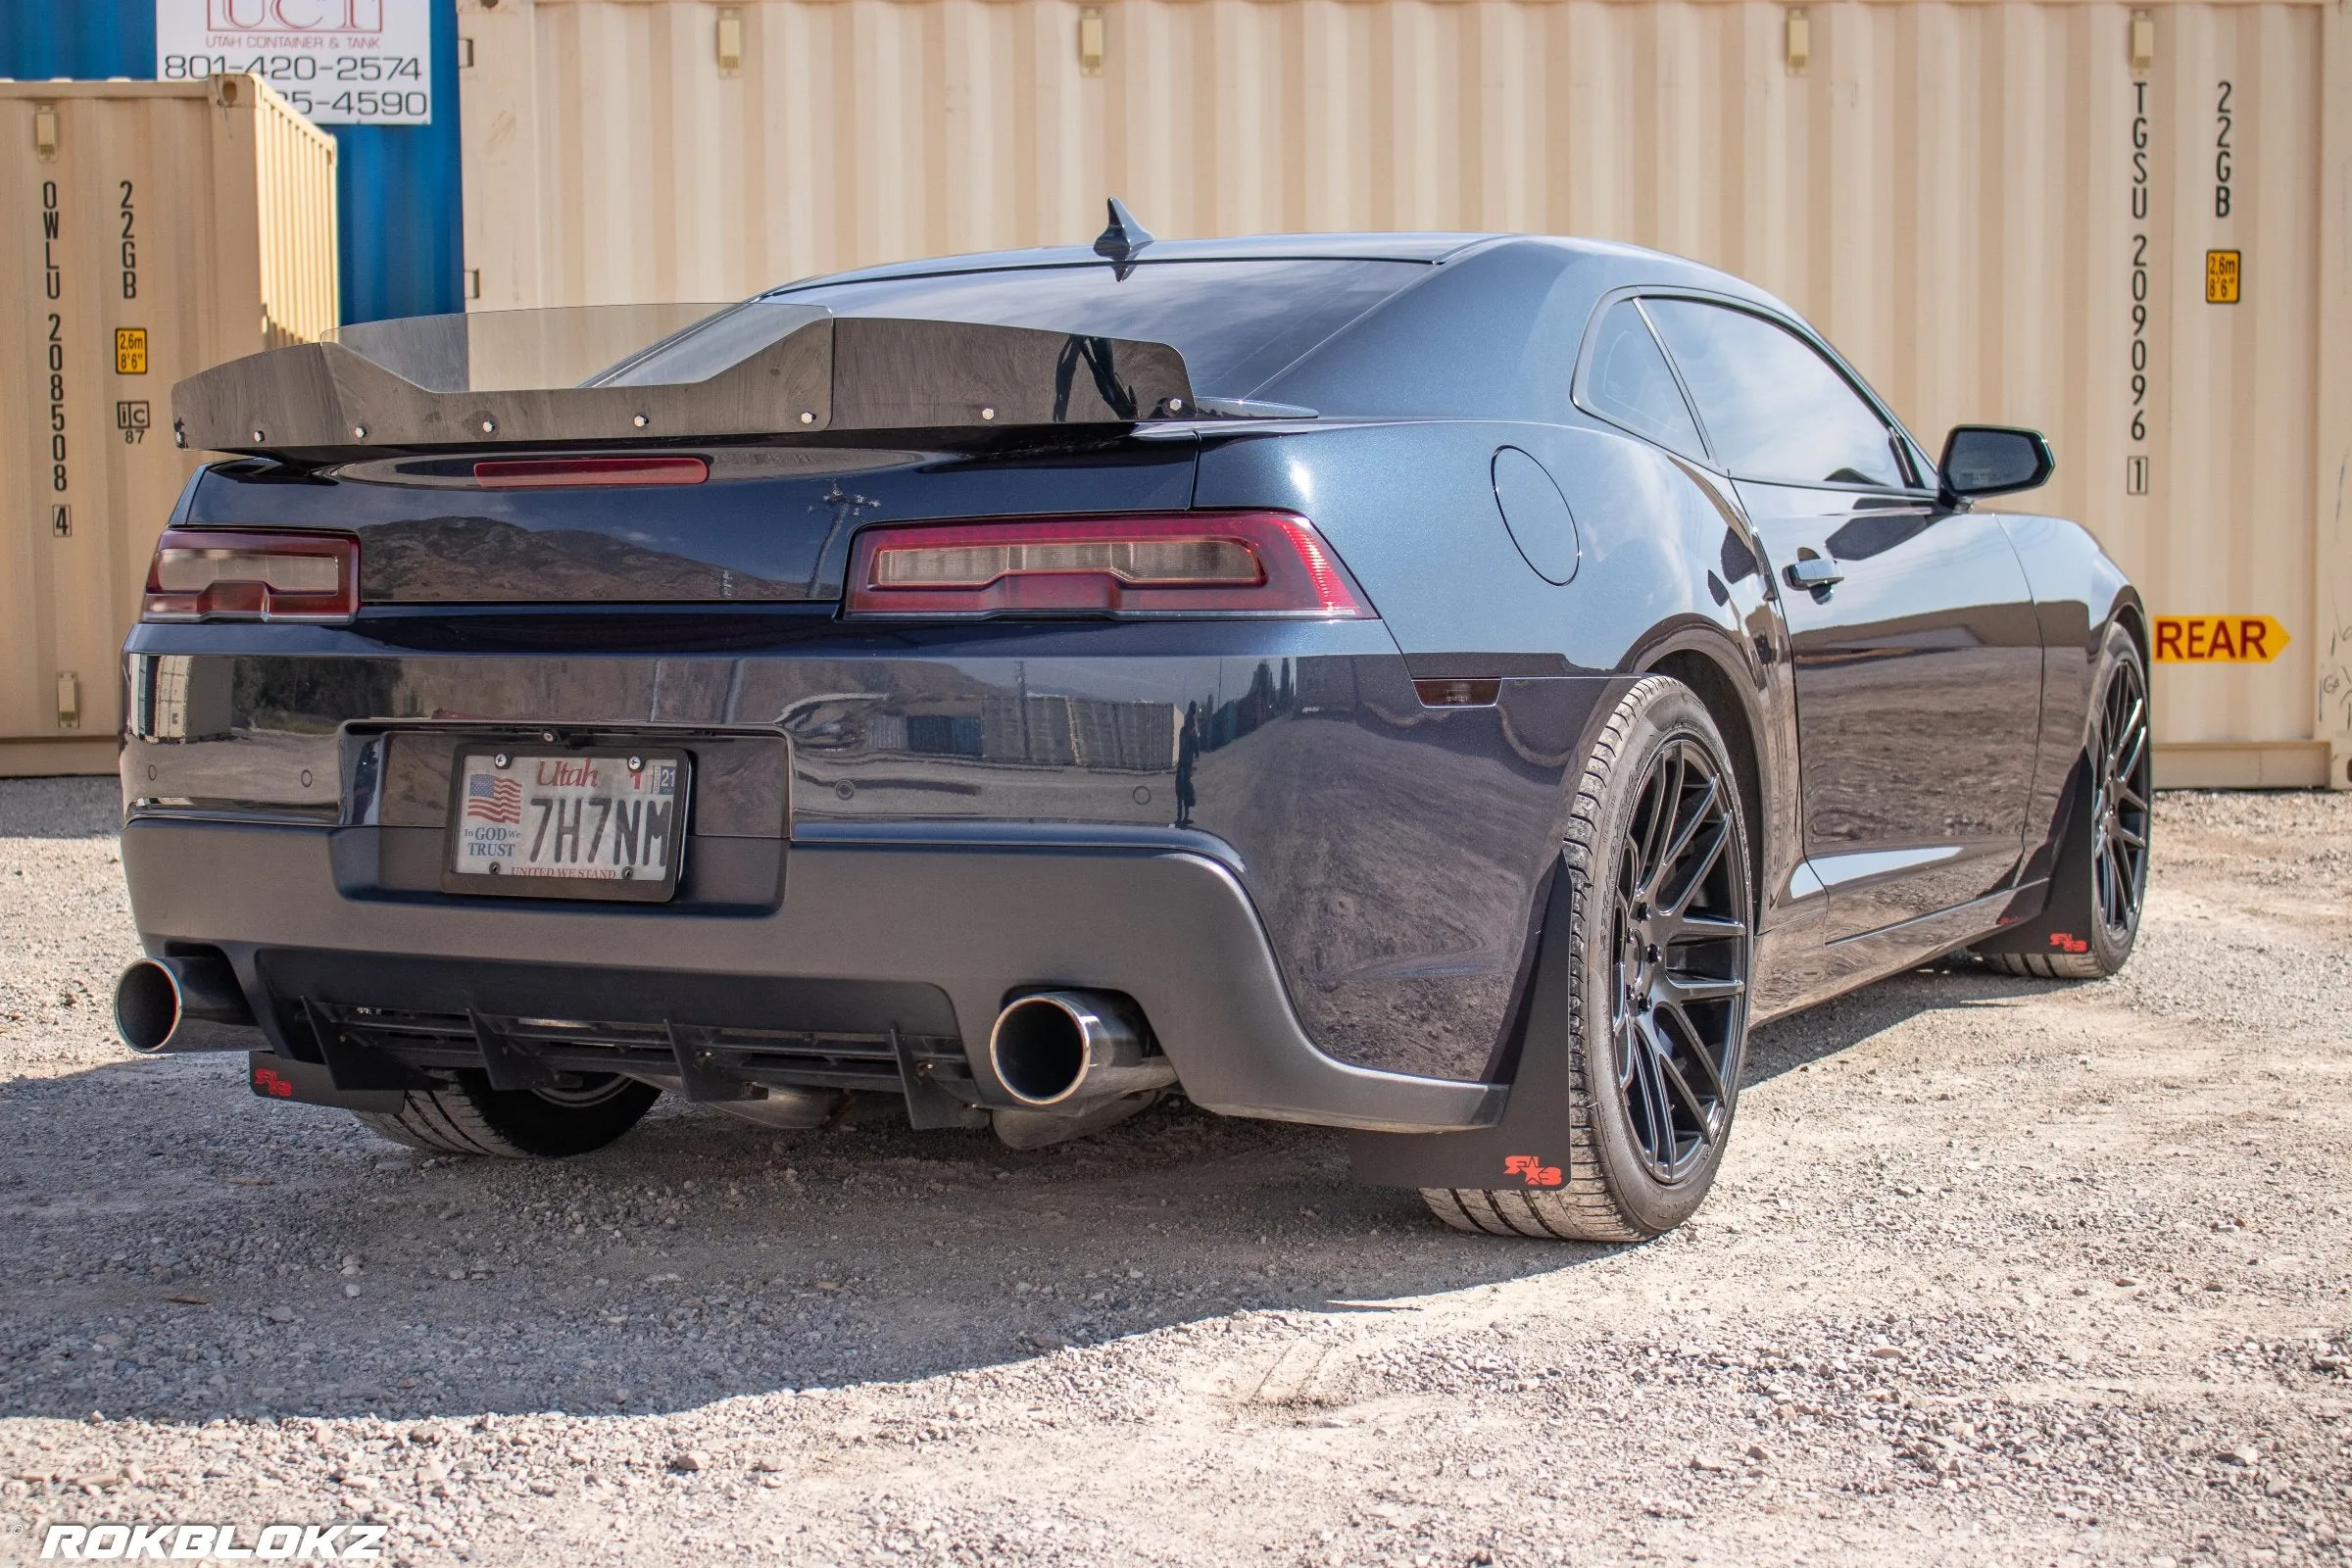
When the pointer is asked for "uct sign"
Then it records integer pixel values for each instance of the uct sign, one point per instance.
(337, 62)
(294, 16)
(2218, 639)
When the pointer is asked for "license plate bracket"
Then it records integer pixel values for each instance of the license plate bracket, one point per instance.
(539, 822)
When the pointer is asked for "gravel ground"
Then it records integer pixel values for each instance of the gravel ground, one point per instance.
(1997, 1272)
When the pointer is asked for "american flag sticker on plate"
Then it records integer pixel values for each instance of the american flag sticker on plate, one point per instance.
(491, 798)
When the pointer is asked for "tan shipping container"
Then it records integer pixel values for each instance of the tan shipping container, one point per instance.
(155, 228)
(2000, 211)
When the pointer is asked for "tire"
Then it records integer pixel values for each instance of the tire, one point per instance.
(1657, 993)
(2107, 835)
(470, 1118)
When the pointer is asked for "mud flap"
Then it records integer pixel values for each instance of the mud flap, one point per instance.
(307, 1083)
(1528, 1144)
(2055, 917)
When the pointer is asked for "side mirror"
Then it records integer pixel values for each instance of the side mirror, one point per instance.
(1993, 460)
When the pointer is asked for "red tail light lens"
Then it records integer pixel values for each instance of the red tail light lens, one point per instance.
(564, 473)
(1181, 564)
(225, 574)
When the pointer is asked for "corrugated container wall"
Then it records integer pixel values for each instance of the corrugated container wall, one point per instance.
(2000, 211)
(154, 228)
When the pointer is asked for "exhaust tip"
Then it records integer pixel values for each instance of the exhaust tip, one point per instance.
(1040, 1048)
(148, 1006)
(187, 1001)
(1059, 1050)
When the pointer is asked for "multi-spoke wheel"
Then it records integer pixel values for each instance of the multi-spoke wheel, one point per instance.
(2100, 875)
(2119, 801)
(1679, 930)
(1662, 936)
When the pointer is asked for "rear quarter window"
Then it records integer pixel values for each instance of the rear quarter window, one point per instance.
(1627, 383)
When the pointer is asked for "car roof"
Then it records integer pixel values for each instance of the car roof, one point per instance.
(1243, 248)
(1428, 248)
(1479, 333)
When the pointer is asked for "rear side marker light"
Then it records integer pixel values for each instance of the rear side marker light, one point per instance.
(1171, 564)
(564, 473)
(1456, 692)
(225, 574)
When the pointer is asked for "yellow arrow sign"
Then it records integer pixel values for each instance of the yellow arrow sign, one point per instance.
(2219, 639)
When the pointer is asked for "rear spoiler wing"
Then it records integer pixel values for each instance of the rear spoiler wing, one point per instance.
(321, 403)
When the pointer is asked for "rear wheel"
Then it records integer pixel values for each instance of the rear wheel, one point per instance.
(470, 1118)
(2107, 836)
(1661, 931)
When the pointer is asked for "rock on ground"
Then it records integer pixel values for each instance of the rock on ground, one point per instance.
(1998, 1271)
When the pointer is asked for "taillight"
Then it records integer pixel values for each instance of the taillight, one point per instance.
(1178, 563)
(565, 474)
(222, 574)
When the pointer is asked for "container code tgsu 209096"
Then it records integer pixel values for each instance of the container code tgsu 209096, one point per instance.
(1446, 688)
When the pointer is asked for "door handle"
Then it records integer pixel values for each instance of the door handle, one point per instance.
(1814, 572)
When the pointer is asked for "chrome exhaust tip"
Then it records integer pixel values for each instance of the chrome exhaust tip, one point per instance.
(1062, 1048)
(183, 1003)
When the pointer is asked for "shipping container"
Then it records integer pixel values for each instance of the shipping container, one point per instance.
(155, 228)
(1999, 211)
(397, 183)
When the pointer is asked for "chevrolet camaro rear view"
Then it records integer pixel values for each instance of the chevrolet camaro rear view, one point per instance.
(1447, 687)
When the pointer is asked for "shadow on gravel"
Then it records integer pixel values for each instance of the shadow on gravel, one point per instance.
(1955, 984)
(180, 1250)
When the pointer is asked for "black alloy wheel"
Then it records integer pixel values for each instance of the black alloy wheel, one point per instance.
(1678, 1009)
(2120, 787)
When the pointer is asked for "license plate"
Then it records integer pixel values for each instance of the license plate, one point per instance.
(572, 824)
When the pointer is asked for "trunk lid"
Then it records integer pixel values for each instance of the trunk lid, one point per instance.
(770, 524)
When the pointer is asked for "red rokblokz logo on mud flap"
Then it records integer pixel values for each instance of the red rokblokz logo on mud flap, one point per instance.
(1537, 1174)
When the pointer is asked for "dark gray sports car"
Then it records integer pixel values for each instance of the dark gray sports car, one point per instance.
(1448, 686)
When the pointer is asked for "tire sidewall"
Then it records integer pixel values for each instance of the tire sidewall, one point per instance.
(551, 1130)
(2113, 948)
(1652, 1206)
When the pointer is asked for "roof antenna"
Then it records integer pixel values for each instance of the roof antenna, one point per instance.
(1118, 243)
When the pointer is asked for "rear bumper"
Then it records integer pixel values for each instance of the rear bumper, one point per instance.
(893, 930)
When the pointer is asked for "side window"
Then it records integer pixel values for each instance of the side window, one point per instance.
(1774, 408)
(1627, 383)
